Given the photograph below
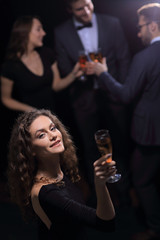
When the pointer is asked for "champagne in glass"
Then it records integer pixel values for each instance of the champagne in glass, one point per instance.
(82, 61)
(104, 145)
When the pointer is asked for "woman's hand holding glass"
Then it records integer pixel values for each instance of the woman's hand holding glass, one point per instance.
(104, 168)
(77, 71)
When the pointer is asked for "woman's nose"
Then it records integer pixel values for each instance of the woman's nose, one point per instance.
(52, 136)
(44, 33)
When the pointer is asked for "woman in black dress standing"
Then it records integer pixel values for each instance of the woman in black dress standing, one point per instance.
(30, 74)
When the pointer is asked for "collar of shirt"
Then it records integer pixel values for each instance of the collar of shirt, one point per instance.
(155, 39)
(88, 36)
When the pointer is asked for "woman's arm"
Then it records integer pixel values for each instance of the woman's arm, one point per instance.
(61, 83)
(6, 96)
(105, 209)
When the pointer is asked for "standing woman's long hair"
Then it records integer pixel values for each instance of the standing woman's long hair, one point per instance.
(19, 37)
(22, 165)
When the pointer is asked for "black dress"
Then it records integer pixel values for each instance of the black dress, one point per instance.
(28, 87)
(68, 213)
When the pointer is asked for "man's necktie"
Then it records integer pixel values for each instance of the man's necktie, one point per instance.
(84, 26)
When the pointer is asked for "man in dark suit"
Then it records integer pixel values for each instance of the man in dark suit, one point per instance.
(142, 88)
(88, 31)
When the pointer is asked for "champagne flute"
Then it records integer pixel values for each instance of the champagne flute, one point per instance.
(104, 145)
(82, 61)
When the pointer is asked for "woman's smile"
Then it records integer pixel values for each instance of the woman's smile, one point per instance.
(56, 144)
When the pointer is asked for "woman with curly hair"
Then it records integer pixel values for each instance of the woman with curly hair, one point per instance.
(43, 178)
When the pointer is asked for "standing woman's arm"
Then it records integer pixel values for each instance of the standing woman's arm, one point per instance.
(6, 96)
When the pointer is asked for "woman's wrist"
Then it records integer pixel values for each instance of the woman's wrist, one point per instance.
(73, 75)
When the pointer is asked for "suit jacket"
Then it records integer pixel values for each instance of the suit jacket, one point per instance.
(111, 40)
(142, 87)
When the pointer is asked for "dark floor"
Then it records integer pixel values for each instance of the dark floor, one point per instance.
(12, 227)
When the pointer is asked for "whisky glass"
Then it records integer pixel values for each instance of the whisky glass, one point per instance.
(96, 56)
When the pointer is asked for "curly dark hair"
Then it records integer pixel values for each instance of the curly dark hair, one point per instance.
(22, 166)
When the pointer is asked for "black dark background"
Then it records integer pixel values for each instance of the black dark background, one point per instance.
(52, 13)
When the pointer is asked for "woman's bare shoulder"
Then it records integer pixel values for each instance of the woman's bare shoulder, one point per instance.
(35, 190)
(36, 204)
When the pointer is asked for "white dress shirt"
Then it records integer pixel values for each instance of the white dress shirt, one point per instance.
(88, 35)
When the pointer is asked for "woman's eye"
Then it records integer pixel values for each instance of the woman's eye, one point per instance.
(53, 128)
(41, 135)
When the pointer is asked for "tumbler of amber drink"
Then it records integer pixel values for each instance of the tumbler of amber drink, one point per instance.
(82, 61)
(96, 56)
(104, 145)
